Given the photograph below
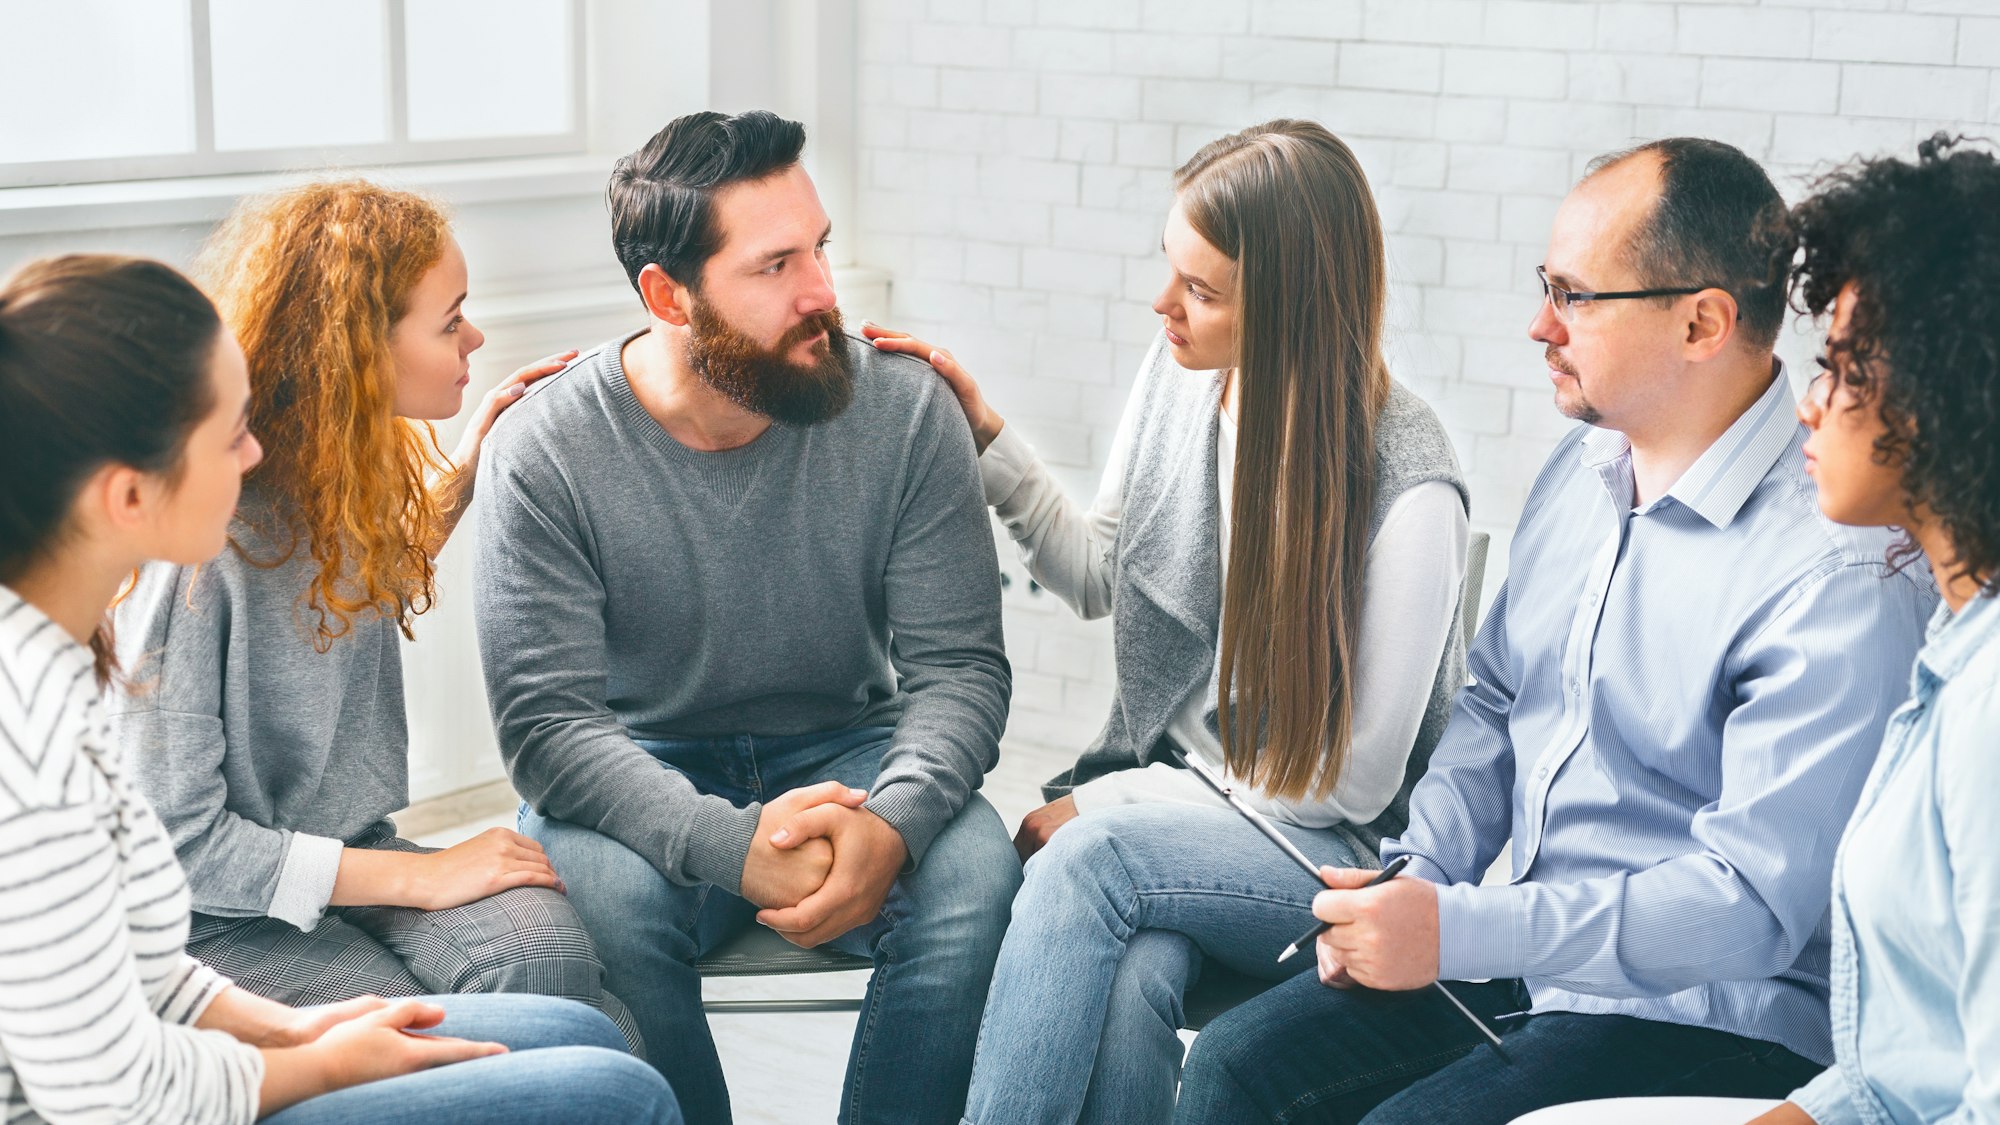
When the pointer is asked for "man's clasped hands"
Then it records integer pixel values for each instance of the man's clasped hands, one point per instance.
(821, 864)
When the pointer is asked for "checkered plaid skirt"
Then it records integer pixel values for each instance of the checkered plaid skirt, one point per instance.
(528, 939)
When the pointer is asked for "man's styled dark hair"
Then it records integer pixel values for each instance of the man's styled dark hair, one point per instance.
(660, 196)
(1920, 240)
(1718, 222)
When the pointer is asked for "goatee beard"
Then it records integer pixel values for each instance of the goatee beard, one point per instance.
(1578, 409)
(763, 380)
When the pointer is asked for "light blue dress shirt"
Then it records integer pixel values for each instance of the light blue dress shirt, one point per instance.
(1673, 709)
(1916, 901)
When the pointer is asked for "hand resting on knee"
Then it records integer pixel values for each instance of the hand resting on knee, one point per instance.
(1039, 826)
(496, 860)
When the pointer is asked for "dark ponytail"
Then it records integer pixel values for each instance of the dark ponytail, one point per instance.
(103, 360)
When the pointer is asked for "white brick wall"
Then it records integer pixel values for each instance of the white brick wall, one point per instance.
(1016, 157)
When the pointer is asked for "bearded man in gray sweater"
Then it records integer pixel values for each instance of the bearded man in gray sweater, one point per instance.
(739, 616)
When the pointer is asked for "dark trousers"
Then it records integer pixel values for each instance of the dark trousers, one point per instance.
(1303, 1052)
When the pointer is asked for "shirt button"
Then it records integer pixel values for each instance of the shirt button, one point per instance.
(1573, 691)
(1544, 772)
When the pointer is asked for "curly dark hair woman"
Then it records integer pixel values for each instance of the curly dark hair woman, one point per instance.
(1919, 243)
(1905, 421)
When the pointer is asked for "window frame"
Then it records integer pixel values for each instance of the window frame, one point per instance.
(399, 149)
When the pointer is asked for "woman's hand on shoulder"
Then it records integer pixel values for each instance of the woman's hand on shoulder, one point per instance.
(985, 423)
(497, 400)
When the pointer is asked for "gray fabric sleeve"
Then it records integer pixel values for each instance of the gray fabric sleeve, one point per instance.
(540, 607)
(173, 634)
(942, 589)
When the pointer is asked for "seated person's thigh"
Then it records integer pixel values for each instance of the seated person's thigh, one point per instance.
(616, 891)
(962, 890)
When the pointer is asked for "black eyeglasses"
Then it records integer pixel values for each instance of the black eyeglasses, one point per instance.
(1566, 300)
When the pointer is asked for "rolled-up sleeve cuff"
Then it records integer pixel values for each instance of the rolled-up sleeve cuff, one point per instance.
(305, 882)
(187, 997)
(914, 810)
(1479, 932)
(718, 842)
(1825, 1099)
(1004, 463)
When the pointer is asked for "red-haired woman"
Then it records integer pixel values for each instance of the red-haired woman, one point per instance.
(265, 717)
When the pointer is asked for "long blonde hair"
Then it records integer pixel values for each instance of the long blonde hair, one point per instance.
(1288, 202)
(312, 280)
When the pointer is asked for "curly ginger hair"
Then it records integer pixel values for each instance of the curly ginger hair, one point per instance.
(312, 280)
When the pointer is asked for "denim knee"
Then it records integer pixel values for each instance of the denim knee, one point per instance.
(525, 1021)
(967, 880)
(610, 886)
(579, 1025)
(613, 1088)
(1082, 854)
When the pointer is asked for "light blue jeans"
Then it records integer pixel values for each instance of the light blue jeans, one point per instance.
(1111, 928)
(566, 1065)
(933, 944)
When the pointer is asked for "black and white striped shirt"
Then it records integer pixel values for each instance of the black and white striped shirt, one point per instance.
(97, 991)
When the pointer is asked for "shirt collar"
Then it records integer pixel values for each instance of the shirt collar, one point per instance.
(1955, 638)
(1716, 486)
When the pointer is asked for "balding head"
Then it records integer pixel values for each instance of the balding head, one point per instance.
(1714, 219)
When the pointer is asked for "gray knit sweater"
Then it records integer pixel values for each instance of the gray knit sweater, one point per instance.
(262, 755)
(819, 578)
(1167, 592)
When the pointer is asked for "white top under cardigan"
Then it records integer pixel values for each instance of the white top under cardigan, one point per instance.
(97, 991)
(1410, 590)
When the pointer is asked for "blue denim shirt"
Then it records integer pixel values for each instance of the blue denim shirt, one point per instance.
(1673, 710)
(1916, 901)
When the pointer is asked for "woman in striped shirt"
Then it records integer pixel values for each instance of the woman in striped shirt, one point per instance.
(123, 438)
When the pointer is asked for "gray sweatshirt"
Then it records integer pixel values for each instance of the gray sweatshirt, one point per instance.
(820, 578)
(262, 755)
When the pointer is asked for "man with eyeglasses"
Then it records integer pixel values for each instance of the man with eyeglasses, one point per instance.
(1676, 697)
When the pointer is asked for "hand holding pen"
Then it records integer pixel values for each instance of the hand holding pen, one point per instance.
(1270, 832)
(1387, 873)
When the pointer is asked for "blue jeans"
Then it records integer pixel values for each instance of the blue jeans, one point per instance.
(566, 1065)
(933, 943)
(1303, 1052)
(1110, 929)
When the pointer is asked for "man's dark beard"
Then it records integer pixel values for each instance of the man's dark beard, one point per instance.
(1581, 410)
(762, 380)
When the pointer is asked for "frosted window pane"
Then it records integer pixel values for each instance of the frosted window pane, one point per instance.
(299, 73)
(488, 68)
(84, 79)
